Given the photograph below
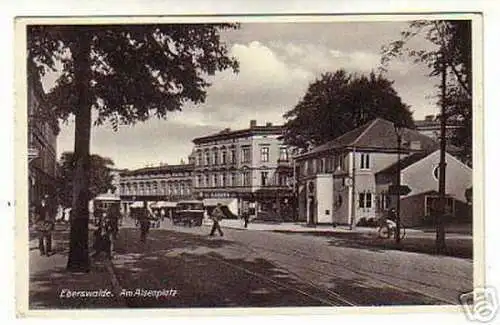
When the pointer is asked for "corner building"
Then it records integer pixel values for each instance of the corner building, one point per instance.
(169, 183)
(43, 130)
(248, 169)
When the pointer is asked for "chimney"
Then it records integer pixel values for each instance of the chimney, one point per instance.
(253, 123)
(429, 118)
(269, 124)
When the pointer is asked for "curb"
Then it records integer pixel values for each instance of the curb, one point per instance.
(117, 288)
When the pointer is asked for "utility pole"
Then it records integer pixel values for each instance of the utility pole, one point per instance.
(440, 231)
(353, 190)
(398, 181)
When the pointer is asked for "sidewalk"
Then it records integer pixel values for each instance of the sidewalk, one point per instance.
(302, 227)
(418, 241)
(50, 284)
(284, 226)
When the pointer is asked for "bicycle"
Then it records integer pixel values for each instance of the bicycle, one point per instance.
(388, 230)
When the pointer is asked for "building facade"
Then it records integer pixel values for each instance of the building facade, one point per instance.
(169, 183)
(336, 181)
(431, 127)
(420, 172)
(251, 167)
(43, 129)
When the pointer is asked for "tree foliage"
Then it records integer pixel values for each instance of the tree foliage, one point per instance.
(450, 44)
(101, 179)
(126, 74)
(338, 102)
(136, 71)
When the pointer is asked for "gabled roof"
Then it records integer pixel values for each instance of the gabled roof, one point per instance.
(376, 135)
(405, 162)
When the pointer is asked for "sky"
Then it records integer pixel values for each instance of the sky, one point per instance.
(277, 63)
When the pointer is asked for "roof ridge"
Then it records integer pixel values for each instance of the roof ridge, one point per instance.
(366, 130)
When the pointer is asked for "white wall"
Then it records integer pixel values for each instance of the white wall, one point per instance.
(419, 176)
(324, 198)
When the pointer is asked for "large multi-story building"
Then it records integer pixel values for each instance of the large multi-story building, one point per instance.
(43, 129)
(250, 166)
(169, 183)
(431, 126)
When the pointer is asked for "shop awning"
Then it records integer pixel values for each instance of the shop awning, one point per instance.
(137, 204)
(164, 204)
(214, 201)
(107, 197)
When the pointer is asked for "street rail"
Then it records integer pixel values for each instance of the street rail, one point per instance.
(295, 252)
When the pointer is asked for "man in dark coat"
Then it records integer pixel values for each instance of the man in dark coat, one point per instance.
(114, 217)
(44, 224)
(103, 240)
(217, 216)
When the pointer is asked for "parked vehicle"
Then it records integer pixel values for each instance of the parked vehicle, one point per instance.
(105, 205)
(189, 213)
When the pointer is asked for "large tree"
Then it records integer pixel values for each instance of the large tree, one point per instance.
(338, 102)
(101, 179)
(449, 43)
(125, 73)
(449, 56)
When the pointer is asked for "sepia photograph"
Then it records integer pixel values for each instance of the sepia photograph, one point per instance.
(239, 162)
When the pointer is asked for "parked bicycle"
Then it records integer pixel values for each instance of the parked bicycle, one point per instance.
(388, 230)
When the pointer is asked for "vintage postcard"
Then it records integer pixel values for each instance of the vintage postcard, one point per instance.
(196, 165)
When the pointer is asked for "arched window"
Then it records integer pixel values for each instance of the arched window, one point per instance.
(215, 154)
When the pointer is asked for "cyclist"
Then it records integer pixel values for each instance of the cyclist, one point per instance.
(387, 224)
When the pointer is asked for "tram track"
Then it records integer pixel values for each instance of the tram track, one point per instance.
(305, 267)
(333, 298)
(258, 250)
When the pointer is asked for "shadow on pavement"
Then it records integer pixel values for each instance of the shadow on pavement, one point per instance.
(215, 272)
(205, 273)
(383, 295)
(49, 280)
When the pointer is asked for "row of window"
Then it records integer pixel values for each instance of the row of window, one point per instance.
(239, 179)
(322, 165)
(229, 156)
(147, 177)
(330, 164)
(155, 189)
(365, 200)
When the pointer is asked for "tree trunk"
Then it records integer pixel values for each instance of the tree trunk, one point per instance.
(78, 259)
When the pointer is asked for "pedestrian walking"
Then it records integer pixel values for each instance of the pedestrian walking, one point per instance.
(246, 217)
(44, 225)
(114, 217)
(162, 214)
(217, 216)
(156, 217)
(144, 224)
(103, 237)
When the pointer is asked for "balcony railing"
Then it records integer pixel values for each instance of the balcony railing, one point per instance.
(284, 162)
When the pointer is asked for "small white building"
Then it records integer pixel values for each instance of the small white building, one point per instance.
(347, 179)
(421, 174)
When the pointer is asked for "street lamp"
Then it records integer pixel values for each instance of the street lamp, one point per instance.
(398, 128)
